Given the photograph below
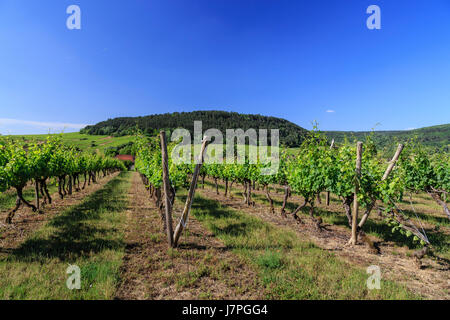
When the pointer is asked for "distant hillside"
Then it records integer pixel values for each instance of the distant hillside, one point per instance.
(93, 144)
(291, 135)
(436, 137)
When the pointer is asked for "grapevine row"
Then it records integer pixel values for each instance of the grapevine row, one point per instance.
(318, 168)
(37, 163)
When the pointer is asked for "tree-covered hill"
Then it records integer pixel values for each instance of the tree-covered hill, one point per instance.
(435, 137)
(291, 135)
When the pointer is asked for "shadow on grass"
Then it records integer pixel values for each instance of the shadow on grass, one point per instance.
(190, 246)
(438, 239)
(236, 229)
(429, 218)
(74, 233)
(288, 268)
(378, 228)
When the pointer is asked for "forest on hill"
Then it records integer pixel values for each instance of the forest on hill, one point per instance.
(291, 135)
(436, 137)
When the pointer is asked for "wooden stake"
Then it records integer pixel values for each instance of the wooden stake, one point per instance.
(392, 162)
(166, 184)
(332, 144)
(327, 196)
(354, 237)
(385, 175)
(187, 207)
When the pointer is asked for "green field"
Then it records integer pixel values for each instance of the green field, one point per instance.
(84, 142)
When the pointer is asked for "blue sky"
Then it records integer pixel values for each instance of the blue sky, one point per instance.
(290, 59)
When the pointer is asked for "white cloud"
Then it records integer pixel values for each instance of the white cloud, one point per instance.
(330, 111)
(407, 129)
(51, 125)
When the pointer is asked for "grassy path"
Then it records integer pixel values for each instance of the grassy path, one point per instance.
(26, 222)
(437, 228)
(289, 267)
(431, 281)
(201, 268)
(89, 235)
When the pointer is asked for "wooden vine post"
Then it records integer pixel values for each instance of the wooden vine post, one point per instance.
(166, 186)
(327, 195)
(354, 237)
(392, 162)
(187, 207)
(385, 175)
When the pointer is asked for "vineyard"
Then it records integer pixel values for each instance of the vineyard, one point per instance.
(41, 163)
(348, 198)
(225, 159)
(373, 185)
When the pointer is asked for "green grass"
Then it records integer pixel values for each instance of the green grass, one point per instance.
(270, 259)
(375, 227)
(89, 235)
(84, 142)
(289, 268)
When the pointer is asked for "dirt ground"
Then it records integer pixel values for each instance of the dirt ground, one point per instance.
(201, 268)
(432, 281)
(25, 221)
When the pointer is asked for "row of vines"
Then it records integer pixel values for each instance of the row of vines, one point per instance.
(379, 183)
(48, 162)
